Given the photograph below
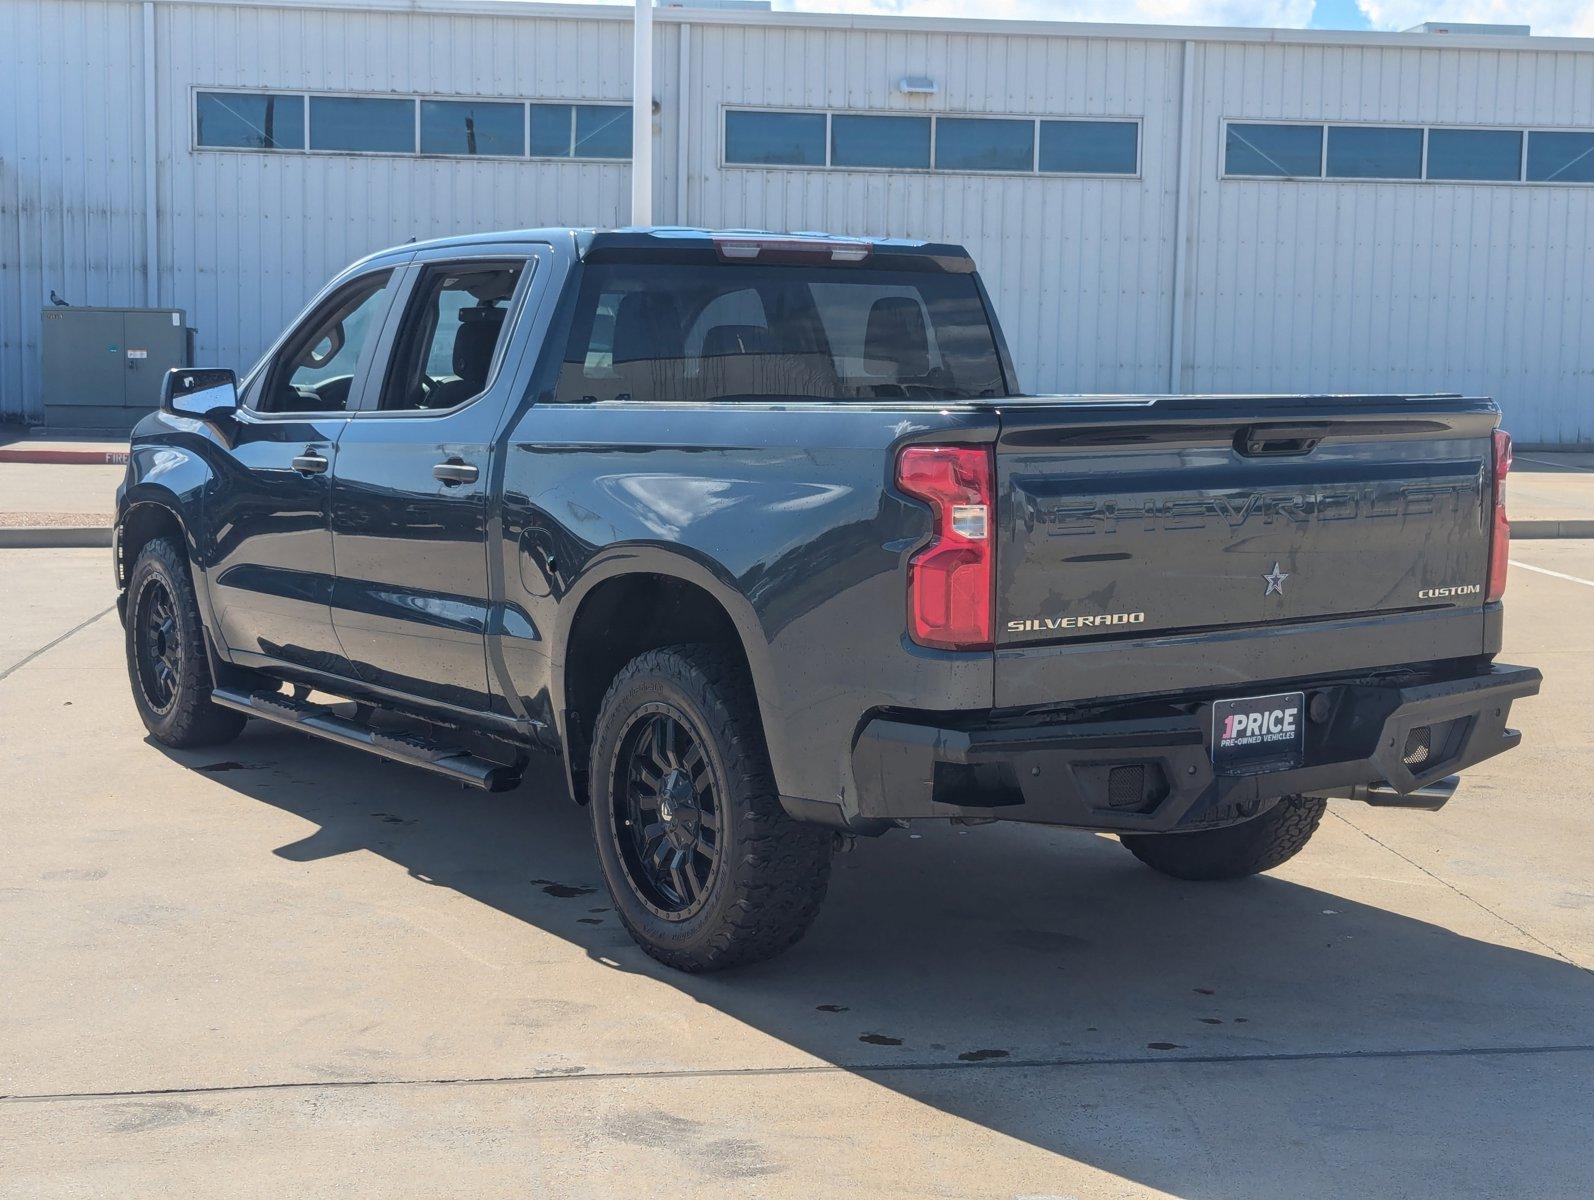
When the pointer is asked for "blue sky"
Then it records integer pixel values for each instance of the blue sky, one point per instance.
(1339, 14)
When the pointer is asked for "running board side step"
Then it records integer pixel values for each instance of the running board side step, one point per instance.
(451, 762)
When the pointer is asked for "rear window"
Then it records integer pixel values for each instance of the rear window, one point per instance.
(740, 332)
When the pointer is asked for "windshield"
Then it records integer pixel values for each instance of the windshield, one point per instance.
(654, 331)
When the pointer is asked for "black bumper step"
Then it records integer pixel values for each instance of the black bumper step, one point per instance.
(452, 762)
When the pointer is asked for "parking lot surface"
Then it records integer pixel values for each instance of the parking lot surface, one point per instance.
(284, 967)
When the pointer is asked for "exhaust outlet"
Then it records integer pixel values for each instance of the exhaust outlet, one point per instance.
(1431, 797)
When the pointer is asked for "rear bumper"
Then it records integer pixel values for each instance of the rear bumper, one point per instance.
(1154, 774)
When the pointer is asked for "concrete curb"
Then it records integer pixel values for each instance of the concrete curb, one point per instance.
(97, 458)
(54, 537)
(1534, 530)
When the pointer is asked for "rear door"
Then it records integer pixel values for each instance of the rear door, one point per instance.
(411, 490)
(271, 582)
(1204, 528)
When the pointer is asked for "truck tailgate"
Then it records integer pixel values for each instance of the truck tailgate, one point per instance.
(1152, 542)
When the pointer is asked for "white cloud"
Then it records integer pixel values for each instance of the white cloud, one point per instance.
(1547, 17)
(1276, 13)
(1565, 18)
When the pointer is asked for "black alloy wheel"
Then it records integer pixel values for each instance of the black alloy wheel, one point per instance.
(666, 815)
(158, 645)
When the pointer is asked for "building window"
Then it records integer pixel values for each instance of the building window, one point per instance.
(1090, 147)
(1555, 157)
(362, 124)
(775, 138)
(603, 131)
(472, 128)
(551, 130)
(581, 131)
(249, 120)
(1374, 152)
(1475, 154)
(1409, 152)
(1277, 151)
(984, 144)
(902, 143)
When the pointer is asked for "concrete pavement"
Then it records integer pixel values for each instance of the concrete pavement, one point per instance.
(285, 966)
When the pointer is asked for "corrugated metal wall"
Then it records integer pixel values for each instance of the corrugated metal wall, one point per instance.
(1482, 288)
(1288, 286)
(71, 172)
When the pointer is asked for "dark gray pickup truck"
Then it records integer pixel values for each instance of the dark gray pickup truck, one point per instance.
(759, 533)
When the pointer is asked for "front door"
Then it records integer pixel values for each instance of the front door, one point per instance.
(267, 511)
(410, 490)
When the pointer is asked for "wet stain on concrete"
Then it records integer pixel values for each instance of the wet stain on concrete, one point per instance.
(981, 1055)
(216, 768)
(564, 891)
(1163, 1046)
(707, 1148)
(589, 920)
(141, 1118)
(879, 1039)
(1210, 1020)
(392, 820)
(1205, 992)
(830, 1007)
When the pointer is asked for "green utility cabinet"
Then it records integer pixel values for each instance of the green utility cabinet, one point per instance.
(103, 366)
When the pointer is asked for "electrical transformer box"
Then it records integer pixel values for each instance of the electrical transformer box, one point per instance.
(103, 367)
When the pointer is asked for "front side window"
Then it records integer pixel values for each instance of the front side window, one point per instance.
(362, 123)
(450, 335)
(316, 368)
(249, 121)
(667, 332)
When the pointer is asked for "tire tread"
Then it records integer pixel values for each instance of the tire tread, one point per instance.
(781, 867)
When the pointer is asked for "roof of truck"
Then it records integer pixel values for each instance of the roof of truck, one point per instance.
(650, 240)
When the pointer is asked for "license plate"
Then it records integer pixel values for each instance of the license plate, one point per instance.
(1260, 733)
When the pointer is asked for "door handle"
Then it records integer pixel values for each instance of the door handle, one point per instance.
(310, 463)
(455, 472)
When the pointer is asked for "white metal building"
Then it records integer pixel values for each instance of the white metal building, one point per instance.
(1154, 208)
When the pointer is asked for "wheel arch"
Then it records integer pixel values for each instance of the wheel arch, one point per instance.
(627, 606)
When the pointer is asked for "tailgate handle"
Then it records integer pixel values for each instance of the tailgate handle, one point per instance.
(1278, 441)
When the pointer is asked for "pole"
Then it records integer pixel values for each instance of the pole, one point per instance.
(642, 116)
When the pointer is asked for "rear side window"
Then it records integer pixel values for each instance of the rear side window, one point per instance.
(657, 332)
(450, 336)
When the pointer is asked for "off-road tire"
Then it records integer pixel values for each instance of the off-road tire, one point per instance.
(1235, 851)
(771, 872)
(189, 719)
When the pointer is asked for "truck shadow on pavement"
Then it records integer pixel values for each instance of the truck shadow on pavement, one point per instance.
(1039, 983)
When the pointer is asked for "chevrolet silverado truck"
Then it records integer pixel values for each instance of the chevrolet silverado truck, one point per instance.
(760, 535)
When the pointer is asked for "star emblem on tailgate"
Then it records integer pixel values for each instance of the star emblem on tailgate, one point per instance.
(1275, 580)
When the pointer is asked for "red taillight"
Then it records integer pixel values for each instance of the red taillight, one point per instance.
(950, 580)
(1500, 528)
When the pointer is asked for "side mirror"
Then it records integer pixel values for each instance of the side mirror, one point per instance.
(199, 391)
